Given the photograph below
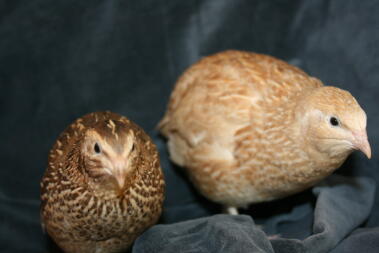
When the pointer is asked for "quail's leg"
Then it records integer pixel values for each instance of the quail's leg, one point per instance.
(232, 210)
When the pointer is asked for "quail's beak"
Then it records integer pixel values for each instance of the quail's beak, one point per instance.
(120, 179)
(361, 142)
(120, 174)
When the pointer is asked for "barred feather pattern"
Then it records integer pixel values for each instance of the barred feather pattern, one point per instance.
(83, 218)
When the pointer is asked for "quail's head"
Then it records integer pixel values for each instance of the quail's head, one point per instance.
(334, 122)
(110, 155)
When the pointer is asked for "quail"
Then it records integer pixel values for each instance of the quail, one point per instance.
(251, 128)
(103, 185)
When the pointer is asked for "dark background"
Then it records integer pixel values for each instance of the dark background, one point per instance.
(62, 59)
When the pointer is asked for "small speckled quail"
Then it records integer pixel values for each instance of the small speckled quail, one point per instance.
(252, 128)
(103, 185)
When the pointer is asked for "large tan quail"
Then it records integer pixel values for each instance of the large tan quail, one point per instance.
(103, 185)
(250, 128)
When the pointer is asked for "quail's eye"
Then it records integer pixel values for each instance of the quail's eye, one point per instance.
(334, 121)
(97, 148)
(133, 147)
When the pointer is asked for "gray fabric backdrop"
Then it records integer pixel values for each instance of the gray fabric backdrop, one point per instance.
(62, 59)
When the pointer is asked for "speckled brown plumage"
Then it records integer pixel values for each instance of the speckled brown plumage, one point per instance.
(103, 185)
(251, 128)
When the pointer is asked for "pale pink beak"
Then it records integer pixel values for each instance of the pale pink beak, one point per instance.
(361, 142)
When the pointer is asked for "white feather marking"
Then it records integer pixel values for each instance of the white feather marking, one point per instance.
(108, 171)
(216, 173)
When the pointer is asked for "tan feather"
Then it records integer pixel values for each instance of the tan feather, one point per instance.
(252, 128)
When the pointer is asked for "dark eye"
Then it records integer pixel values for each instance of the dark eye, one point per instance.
(133, 147)
(334, 121)
(96, 148)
